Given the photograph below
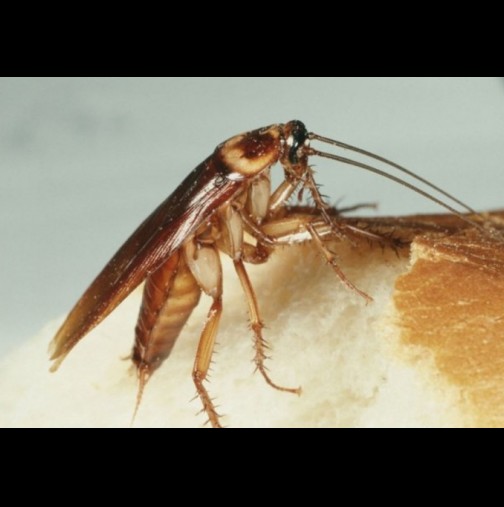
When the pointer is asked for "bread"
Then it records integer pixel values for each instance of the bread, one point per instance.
(427, 352)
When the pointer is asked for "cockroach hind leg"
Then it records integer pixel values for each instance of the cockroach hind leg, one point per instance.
(204, 355)
(207, 402)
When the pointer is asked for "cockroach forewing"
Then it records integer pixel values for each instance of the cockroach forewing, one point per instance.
(163, 232)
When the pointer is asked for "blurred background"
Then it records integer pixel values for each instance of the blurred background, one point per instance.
(84, 160)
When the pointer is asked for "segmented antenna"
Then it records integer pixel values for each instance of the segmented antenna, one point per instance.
(396, 179)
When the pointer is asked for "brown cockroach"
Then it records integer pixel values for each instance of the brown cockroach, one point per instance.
(224, 205)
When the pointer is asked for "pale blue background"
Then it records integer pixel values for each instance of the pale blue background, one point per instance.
(84, 160)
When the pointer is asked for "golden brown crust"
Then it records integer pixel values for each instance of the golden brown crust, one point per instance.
(452, 303)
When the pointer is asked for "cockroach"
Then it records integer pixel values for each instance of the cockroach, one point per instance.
(225, 205)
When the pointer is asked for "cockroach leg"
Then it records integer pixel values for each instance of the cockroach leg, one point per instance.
(380, 239)
(322, 207)
(281, 196)
(256, 231)
(205, 265)
(299, 229)
(258, 197)
(260, 343)
(331, 259)
(203, 358)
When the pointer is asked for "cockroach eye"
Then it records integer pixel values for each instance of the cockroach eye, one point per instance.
(297, 138)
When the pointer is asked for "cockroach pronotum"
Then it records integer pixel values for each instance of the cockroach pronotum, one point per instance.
(225, 205)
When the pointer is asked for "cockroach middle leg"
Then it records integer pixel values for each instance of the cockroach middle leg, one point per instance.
(260, 343)
(301, 227)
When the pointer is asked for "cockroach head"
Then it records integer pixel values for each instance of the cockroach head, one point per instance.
(296, 140)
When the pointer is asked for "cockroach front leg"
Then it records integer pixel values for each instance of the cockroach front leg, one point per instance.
(331, 260)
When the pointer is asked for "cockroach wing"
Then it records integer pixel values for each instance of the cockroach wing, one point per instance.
(162, 233)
